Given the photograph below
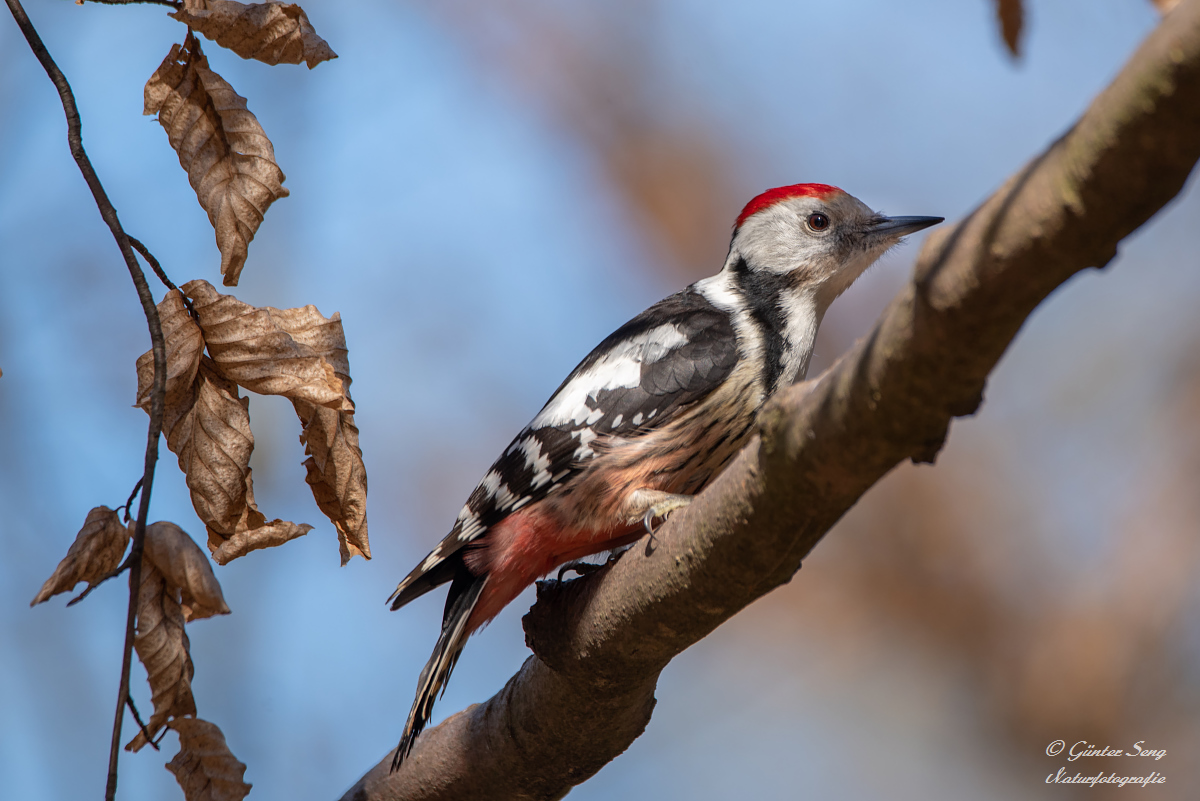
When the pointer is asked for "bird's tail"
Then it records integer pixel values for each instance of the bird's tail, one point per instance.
(464, 595)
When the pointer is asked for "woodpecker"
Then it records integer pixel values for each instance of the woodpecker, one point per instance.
(651, 416)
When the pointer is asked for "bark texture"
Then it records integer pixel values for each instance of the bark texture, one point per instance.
(601, 642)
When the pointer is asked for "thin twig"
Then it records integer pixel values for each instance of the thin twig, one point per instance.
(153, 262)
(136, 487)
(124, 566)
(172, 3)
(162, 275)
(158, 347)
(138, 718)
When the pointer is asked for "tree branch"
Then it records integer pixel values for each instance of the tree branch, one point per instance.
(601, 641)
(157, 344)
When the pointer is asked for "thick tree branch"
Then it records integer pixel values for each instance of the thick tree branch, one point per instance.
(600, 642)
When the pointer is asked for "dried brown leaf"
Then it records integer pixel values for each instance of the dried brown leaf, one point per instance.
(162, 646)
(213, 442)
(289, 352)
(205, 767)
(253, 533)
(96, 552)
(336, 474)
(229, 160)
(334, 469)
(177, 556)
(1165, 6)
(185, 344)
(273, 33)
(1011, 14)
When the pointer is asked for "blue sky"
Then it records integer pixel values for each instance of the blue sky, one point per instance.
(476, 252)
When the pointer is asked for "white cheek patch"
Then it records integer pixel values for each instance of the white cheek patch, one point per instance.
(620, 368)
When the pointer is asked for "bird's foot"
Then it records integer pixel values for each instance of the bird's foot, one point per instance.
(661, 504)
(580, 566)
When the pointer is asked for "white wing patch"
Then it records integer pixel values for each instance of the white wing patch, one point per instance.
(537, 461)
(585, 436)
(619, 368)
(434, 557)
(469, 527)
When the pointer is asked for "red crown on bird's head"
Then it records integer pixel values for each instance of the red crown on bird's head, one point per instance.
(773, 196)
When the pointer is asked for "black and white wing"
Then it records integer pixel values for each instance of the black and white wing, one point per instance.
(640, 377)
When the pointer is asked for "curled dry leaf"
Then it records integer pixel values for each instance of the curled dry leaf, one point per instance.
(273, 33)
(335, 469)
(184, 344)
(1011, 14)
(267, 350)
(254, 532)
(162, 646)
(185, 567)
(96, 552)
(205, 767)
(229, 160)
(336, 474)
(213, 442)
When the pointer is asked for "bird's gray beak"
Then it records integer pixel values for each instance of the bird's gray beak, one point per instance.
(896, 227)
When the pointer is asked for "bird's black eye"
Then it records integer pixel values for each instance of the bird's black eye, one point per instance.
(818, 221)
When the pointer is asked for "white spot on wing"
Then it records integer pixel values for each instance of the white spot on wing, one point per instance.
(504, 497)
(471, 528)
(434, 557)
(585, 436)
(616, 421)
(537, 461)
(490, 483)
(637, 419)
(621, 367)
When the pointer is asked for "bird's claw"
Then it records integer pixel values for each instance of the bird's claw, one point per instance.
(580, 567)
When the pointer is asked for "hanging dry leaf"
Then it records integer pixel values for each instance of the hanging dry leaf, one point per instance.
(261, 348)
(253, 532)
(185, 567)
(162, 646)
(229, 160)
(336, 473)
(1012, 19)
(334, 469)
(184, 344)
(96, 552)
(205, 767)
(213, 442)
(273, 33)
